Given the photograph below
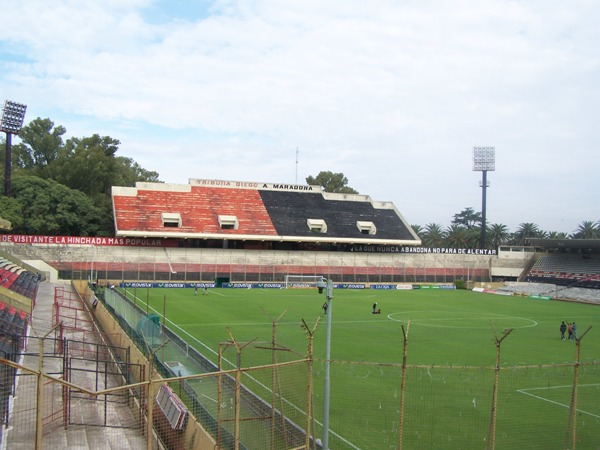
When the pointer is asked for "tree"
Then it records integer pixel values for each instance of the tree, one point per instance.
(526, 231)
(88, 164)
(467, 218)
(39, 147)
(418, 229)
(498, 234)
(587, 230)
(128, 172)
(434, 235)
(459, 236)
(47, 207)
(557, 235)
(331, 182)
(11, 210)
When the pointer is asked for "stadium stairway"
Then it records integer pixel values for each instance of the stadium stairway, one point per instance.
(22, 437)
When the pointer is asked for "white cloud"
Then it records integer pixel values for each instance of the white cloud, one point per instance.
(393, 94)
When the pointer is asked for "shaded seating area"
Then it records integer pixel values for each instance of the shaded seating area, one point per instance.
(351, 219)
(13, 322)
(575, 270)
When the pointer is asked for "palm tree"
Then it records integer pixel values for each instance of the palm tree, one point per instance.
(434, 235)
(525, 232)
(498, 234)
(587, 230)
(418, 229)
(458, 236)
(558, 235)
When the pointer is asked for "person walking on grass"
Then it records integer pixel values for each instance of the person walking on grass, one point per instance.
(563, 329)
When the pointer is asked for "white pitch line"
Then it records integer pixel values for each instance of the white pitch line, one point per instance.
(218, 293)
(524, 391)
(334, 322)
(543, 388)
(423, 320)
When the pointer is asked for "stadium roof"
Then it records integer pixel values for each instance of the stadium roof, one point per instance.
(235, 210)
(574, 244)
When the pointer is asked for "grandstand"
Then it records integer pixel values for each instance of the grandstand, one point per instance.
(18, 292)
(257, 215)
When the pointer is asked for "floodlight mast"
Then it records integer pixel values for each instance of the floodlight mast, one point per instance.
(483, 161)
(11, 123)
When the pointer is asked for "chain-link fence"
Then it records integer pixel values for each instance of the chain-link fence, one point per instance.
(270, 407)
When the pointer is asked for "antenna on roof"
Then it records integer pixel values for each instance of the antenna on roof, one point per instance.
(296, 165)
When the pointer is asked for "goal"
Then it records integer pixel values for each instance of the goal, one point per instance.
(302, 281)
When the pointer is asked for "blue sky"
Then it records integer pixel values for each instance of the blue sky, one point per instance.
(394, 94)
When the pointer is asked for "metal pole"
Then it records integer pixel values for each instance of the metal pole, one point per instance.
(327, 382)
(7, 164)
(483, 207)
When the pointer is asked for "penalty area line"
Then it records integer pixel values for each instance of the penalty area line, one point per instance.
(581, 411)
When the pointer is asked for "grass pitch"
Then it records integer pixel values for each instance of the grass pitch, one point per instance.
(444, 407)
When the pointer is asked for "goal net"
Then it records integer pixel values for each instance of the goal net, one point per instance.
(302, 281)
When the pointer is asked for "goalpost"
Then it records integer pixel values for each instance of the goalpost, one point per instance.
(302, 281)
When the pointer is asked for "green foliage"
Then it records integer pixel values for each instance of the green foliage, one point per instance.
(40, 146)
(459, 236)
(331, 182)
(460, 284)
(418, 229)
(588, 229)
(525, 231)
(497, 234)
(128, 172)
(468, 218)
(434, 235)
(48, 208)
(11, 210)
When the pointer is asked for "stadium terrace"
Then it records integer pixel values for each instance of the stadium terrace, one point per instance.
(264, 216)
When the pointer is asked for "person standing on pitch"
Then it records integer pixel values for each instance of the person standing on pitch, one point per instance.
(574, 331)
(563, 329)
(325, 306)
(374, 308)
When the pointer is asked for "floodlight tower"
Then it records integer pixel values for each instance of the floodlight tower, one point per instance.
(484, 160)
(11, 123)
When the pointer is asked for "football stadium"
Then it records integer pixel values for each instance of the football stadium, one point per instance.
(254, 315)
